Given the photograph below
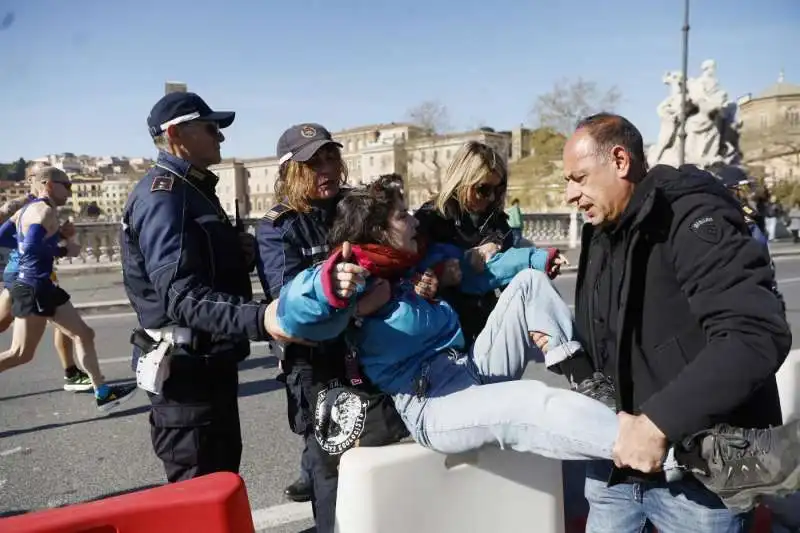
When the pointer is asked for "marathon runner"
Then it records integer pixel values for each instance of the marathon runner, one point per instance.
(36, 298)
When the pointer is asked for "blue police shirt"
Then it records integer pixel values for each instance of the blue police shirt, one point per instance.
(182, 262)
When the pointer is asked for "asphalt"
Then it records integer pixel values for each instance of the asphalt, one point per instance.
(55, 449)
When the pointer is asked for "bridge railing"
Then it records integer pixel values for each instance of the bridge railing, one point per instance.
(100, 241)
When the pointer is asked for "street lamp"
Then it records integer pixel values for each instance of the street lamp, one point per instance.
(684, 85)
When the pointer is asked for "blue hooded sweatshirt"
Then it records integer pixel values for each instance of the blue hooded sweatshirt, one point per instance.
(394, 342)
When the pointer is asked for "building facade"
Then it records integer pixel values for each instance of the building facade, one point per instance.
(107, 193)
(369, 151)
(770, 137)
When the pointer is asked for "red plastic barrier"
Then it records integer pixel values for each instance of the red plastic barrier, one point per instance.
(216, 503)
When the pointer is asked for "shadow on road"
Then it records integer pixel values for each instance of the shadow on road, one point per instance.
(14, 512)
(258, 361)
(124, 492)
(17, 512)
(45, 427)
(252, 388)
(29, 394)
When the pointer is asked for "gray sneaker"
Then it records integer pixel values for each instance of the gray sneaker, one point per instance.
(743, 465)
(600, 388)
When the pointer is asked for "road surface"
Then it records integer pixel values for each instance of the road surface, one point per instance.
(55, 448)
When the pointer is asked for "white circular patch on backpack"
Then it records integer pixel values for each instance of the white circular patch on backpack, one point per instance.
(338, 418)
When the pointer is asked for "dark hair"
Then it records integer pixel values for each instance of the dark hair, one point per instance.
(609, 130)
(362, 216)
(515, 201)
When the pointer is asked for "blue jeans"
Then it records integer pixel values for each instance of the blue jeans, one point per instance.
(516, 233)
(477, 398)
(680, 507)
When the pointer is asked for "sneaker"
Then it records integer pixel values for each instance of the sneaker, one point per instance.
(741, 465)
(80, 382)
(600, 388)
(118, 395)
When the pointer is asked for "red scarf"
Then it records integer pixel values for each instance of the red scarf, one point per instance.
(381, 261)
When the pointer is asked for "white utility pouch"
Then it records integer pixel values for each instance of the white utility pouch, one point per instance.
(152, 369)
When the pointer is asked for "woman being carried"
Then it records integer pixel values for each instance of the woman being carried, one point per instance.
(454, 397)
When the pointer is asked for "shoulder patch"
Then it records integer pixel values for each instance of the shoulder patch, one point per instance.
(707, 229)
(277, 212)
(162, 183)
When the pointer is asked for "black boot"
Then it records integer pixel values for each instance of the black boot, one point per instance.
(600, 388)
(741, 465)
(299, 491)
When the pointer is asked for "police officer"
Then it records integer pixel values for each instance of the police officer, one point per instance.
(186, 272)
(736, 180)
(293, 236)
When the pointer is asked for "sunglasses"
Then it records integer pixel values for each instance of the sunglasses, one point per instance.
(67, 184)
(212, 128)
(485, 190)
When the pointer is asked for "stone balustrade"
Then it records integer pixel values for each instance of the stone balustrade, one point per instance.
(101, 245)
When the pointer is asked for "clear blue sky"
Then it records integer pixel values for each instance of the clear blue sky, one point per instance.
(82, 75)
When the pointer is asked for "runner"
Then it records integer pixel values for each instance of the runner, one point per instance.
(75, 379)
(35, 298)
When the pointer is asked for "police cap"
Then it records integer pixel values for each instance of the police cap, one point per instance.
(176, 108)
(302, 141)
(732, 177)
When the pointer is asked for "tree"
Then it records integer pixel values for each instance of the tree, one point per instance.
(570, 101)
(431, 115)
(17, 171)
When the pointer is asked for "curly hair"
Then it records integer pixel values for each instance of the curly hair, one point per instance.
(362, 216)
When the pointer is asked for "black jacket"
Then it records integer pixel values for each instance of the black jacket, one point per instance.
(182, 263)
(698, 335)
(288, 243)
(458, 228)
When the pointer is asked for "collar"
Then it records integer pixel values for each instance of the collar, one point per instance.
(45, 199)
(639, 206)
(182, 168)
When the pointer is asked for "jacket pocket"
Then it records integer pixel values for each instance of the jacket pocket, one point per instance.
(666, 361)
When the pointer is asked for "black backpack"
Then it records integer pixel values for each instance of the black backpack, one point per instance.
(350, 411)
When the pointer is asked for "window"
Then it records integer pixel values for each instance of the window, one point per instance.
(793, 116)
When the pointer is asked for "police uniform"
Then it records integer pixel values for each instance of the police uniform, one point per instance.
(185, 273)
(289, 242)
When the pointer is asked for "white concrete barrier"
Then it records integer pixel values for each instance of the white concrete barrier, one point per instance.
(406, 488)
(788, 378)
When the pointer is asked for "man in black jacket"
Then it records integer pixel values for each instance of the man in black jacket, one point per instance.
(673, 303)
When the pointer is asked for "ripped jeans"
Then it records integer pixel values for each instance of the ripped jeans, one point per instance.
(478, 398)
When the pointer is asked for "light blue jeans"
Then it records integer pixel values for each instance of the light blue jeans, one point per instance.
(685, 506)
(477, 398)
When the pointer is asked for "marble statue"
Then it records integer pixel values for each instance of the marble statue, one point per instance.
(712, 123)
